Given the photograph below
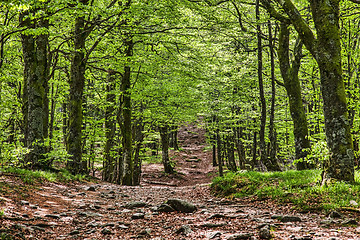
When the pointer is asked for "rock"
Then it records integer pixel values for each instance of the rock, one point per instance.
(133, 205)
(214, 235)
(74, 232)
(334, 214)
(109, 225)
(91, 188)
(121, 226)
(53, 216)
(138, 216)
(23, 202)
(106, 231)
(240, 236)
(145, 233)
(213, 225)
(289, 218)
(185, 229)
(38, 228)
(353, 203)
(216, 215)
(350, 222)
(165, 208)
(264, 233)
(181, 205)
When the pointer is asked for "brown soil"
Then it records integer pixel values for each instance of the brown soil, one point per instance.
(73, 211)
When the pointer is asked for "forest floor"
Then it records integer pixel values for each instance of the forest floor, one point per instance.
(101, 210)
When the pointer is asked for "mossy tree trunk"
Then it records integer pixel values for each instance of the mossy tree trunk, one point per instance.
(76, 164)
(262, 144)
(164, 135)
(128, 164)
(272, 163)
(35, 90)
(289, 73)
(326, 49)
(139, 139)
(110, 128)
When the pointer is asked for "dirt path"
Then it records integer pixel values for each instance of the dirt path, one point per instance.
(108, 211)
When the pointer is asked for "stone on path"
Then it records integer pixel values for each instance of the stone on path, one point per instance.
(132, 205)
(185, 229)
(165, 208)
(138, 216)
(240, 236)
(181, 205)
(264, 233)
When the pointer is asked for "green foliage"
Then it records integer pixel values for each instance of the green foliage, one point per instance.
(31, 177)
(301, 188)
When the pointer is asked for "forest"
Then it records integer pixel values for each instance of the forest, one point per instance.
(103, 88)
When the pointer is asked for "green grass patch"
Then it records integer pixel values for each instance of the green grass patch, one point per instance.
(301, 188)
(30, 176)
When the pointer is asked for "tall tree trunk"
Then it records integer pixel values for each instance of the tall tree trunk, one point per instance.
(272, 163)
(293, 89)
(35, 90)
(128, 164)
(77, 82)
(230, 147)
(139, 138)
(164, 134)
(110, 128)
(262, 144)
(219, 153)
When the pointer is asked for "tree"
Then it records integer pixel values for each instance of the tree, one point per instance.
(326, 49)
(290, 75)
(35, 87)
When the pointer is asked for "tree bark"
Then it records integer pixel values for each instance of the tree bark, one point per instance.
(110, 128)
(35, 90)
(139, 138)
(262, 144)
(76, 164)
(164, 134)
(128, 164)
(219, 153)
(290, 76)
(272, 163)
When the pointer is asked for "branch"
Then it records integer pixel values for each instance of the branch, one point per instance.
(303, 29)
(273, 13)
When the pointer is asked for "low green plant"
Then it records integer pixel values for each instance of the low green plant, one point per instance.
(301, 188)
(2, 212)
(30, 176)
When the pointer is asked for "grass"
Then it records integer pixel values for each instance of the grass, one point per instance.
(30, 177)
(301, 188)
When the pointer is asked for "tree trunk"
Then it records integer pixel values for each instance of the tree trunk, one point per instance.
(35, 90)
(76, 164)
(173, 137)
(262, 145)
(128, 164)
(139, 138)
(110, 128)
(230, 146)
(272, 163)
(293, 89)
(164, 134)
(219, 153)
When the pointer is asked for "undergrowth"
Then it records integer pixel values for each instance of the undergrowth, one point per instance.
(301, 188)
(30, 176)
